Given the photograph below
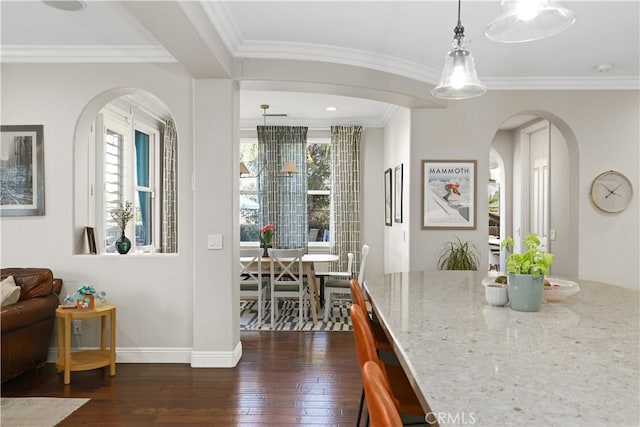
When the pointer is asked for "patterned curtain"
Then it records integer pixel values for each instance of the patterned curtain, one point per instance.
(283, 197)
(345, 195)
(169, 187)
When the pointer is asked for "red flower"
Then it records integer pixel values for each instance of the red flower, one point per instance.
(266, 234)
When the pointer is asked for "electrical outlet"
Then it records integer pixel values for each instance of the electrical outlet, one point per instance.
(76, 325)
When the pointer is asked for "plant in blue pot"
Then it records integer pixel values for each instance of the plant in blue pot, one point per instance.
(122, 215)
(526, 272)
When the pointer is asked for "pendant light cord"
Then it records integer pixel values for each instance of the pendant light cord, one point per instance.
(459, 29)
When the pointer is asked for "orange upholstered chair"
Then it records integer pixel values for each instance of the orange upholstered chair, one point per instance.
(405, 398)
(382, 408)
(381, 340)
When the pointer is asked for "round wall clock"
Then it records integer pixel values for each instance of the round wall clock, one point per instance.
(611, 191)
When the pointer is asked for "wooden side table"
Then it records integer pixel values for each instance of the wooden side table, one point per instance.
(87, 359)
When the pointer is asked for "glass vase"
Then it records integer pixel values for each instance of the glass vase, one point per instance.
(123, 244)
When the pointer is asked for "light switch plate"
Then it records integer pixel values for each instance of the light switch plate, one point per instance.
(214, 241)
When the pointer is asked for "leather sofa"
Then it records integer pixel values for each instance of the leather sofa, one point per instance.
(27, 325)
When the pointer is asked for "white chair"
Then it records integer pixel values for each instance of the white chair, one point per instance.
(342, 286)
(286, 279)
(251, 277)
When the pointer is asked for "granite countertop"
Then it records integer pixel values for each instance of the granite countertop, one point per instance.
(575, 362)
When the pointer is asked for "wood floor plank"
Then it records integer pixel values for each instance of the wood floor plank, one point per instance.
(283, 379)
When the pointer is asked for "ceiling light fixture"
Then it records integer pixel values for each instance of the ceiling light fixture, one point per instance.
(459, 79)
(69, 5)
(287, 169)
(527, 20)
(331, 108)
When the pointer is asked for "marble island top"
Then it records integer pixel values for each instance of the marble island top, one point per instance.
(574, 363)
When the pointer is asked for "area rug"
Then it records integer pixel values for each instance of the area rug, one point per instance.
(36, 411)
(287, 319)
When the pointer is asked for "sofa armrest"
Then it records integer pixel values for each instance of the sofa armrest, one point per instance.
(27, 312)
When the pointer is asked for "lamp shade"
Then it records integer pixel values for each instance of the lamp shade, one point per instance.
(289, 167)
(527, 20)
(243, 169)
(459, 79)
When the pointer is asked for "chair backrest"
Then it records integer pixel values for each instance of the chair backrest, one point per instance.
(363, 336)
(363, 261)
(380, 405)
(350, 263)
(357, 296)
(251, 266)
(286, 266)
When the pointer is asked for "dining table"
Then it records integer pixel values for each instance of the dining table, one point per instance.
(308, 265)
(575, 362)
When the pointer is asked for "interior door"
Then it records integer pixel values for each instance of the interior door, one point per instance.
(539, 144)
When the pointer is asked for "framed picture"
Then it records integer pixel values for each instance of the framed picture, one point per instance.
(21, 171)
(398, 194)
(449, 194)
(387, 198)
(91, 240)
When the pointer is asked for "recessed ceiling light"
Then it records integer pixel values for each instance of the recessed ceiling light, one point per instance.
(68, 5)
(331, 108)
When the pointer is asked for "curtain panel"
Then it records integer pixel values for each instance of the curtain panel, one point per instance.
(345, 195)
(169, 220)
(283, 197)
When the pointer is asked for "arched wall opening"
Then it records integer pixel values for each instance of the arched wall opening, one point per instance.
(84, 170)
(562, 198)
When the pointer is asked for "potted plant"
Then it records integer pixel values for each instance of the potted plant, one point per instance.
(458, 255)
(526, 273)
(266, 234)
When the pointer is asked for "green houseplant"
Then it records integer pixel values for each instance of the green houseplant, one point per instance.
(526, 273)
(458, 255)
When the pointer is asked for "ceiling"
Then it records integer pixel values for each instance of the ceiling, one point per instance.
(406, 39)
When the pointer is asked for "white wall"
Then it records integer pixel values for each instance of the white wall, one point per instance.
(154, 293)
(397, 146)
(372, 198)
(608, 244)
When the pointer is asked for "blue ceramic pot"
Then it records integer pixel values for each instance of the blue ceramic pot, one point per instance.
(525, 292)
(123, 244)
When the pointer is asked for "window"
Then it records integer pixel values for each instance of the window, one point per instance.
(129, 162)
(318, 190)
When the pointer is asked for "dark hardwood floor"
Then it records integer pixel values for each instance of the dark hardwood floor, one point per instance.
(283, 379)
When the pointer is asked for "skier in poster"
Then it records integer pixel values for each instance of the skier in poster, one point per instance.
(451, 188)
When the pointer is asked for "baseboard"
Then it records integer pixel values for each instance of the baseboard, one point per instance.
(216, 359)
(197, 359)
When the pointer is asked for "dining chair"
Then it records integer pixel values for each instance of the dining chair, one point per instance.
(341, 286)
(404, 397)
(380, 404)
(251, 278)
(380, 337)
(287, 279)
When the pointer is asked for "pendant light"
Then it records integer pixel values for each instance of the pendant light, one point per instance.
(459, 79)
(527, 20)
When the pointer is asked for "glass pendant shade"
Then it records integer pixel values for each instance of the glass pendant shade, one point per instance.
(527, 20)
(459, 79)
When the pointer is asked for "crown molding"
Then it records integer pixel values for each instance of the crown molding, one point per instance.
(303, 51)
(83, 54)
(563, 83)
(259, 49)
(223, 21)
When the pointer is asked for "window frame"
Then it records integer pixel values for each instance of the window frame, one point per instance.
(118, 120)
(310, 140)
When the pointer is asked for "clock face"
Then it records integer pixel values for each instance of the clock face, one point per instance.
(611, 191)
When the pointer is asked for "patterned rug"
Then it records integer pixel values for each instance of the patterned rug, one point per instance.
(287, 319)
(37, 411)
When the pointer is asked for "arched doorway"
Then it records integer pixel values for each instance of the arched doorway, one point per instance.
(539, 155)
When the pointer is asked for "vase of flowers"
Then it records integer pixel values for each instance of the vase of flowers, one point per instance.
(122, 215)
(266, 234)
